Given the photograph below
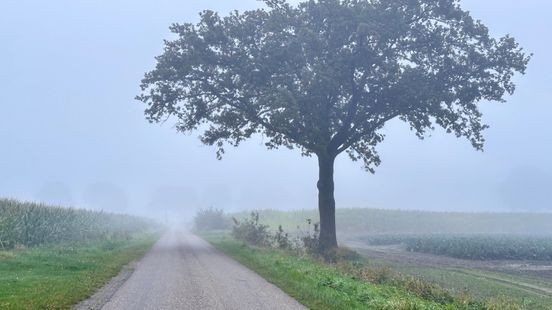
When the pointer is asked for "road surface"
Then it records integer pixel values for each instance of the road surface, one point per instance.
(184, 272)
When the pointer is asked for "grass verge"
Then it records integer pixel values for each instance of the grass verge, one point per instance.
(483, 285)
(321, 286)
(59, 276)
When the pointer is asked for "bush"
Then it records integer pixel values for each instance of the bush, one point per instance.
(211, 219)
(311, 241)
(282, 239)
(251, 231)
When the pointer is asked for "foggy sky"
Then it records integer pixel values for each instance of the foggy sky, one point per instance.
(72, 134)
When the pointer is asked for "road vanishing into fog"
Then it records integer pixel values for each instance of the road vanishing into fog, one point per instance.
(183, 271)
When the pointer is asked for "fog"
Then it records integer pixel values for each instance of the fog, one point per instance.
(72, 134)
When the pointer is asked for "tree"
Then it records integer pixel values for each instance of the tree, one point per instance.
(325, 76)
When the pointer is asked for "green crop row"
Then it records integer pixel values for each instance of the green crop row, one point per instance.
(30, 224)
(476, 247)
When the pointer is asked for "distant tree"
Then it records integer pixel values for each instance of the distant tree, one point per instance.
(325, 76)
(211, 219)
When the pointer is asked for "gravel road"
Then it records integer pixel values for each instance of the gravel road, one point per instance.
(184, 272)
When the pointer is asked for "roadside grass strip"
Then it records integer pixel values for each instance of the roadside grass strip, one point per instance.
(59, 276)
(321, 286)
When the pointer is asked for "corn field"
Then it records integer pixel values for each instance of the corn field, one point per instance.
(30, 224)
(475, 247)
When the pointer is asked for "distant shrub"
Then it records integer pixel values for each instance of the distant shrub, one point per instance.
(251, 231)
(211, 219)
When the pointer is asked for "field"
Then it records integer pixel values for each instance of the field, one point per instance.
(527, 282)
(475, 247)
(479, 255)
(380, 221)
(51, 258)
(30, 224)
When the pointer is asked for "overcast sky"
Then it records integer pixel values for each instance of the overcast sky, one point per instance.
(72, 134)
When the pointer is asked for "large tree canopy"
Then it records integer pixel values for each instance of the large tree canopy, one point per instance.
(326, 75)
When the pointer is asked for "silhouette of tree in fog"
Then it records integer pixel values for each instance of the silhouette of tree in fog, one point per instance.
(326, 75)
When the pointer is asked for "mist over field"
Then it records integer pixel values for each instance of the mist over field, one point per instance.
(73, 135)
(275, 154)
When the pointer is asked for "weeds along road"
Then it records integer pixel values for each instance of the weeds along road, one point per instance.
(184, 272)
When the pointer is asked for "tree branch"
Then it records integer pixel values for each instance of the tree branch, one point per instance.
(254, 117)
(354, 138)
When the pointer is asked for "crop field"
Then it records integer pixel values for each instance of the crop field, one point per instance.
(526, 282)
(476, 247)
(30, 224)
(480, 266)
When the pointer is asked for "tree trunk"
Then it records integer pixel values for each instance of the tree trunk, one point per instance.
(326, 202)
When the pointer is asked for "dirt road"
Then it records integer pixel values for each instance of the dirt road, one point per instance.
(184, 272)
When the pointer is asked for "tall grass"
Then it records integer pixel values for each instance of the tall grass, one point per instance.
(31, 224)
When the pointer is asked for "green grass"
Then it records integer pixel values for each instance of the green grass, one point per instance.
(478, 284)
(481, 285)
(58, 276)
(321, 286)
